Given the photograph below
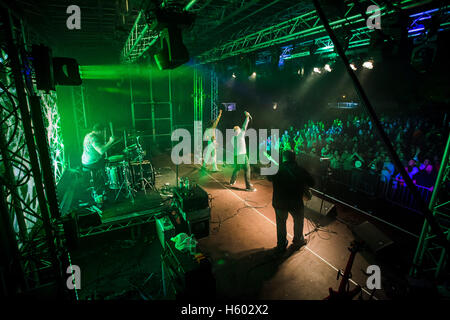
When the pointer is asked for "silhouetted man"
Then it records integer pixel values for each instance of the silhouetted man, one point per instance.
(289, 185)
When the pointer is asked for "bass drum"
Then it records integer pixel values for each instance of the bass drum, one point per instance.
(148, 173)
(117, 173)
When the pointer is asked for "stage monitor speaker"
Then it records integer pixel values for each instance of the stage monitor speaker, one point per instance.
(373, 238)
(320, 206)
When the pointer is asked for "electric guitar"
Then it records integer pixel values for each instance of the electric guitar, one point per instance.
(343, 292)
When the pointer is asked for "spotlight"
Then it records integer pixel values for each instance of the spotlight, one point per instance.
(368, 65)
(352, 65)
(317, 70)
(234, 75)
(327, 67)
(275, 106)
(252, 76)
(301, 71)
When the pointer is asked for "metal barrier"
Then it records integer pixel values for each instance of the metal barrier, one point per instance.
(369, 184)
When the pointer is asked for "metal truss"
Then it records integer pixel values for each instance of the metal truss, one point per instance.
(199, 96)
(79, 113)
(431, 259)
(214, 96)
(126, 221)
(360, 38)
(303, 26)
(27, 187)
(144, 34)
(140, 39)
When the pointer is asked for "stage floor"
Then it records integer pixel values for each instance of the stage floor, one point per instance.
(242, 238)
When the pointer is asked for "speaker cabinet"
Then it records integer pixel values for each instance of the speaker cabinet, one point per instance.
(373, 238)
(165, 229)
(320, 206)
(173, 52)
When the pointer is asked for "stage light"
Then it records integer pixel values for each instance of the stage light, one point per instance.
(252, 76)
(352, 65)
(368, 64)
(327, 67)
(275, 106)
(317, 70)
(234, 75)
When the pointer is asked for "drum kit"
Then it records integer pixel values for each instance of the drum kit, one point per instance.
(128, 172)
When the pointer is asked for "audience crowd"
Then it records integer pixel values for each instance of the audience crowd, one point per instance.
(352, 143)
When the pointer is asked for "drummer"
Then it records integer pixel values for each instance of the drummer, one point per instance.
(93, 151)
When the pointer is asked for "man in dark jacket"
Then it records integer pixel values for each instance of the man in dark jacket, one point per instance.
(289, 186)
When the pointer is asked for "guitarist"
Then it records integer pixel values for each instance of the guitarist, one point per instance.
(289, 185)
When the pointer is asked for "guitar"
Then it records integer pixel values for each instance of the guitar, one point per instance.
(343, 292)
(307, 195)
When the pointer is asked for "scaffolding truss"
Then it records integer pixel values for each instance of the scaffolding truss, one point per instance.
(304, 26)
(28, 202)
(431, 258)
(214, 97)
(144, 34)
(155, 113)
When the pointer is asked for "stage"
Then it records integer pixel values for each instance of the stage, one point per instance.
(240, 246)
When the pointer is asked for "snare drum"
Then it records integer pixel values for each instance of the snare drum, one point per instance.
(116, 158)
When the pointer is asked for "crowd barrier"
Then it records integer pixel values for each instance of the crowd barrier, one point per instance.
(338, 182)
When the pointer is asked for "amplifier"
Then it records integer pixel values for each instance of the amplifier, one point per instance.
(198, 222)
(165, 229)
(195, 198)
(189, 277)
(193, 205)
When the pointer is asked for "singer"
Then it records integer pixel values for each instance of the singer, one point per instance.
(240, 154)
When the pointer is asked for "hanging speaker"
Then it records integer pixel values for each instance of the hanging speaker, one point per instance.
(173, 52)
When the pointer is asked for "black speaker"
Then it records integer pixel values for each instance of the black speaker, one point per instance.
(320, 206)
(373, 238)
(195, 198)
(87, 218)
(188, 277)
(173, 52)
(71, 231)
(66, 71)
(43, 67)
